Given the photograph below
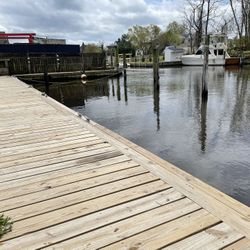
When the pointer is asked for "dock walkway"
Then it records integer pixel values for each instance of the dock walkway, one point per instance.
(69, 183)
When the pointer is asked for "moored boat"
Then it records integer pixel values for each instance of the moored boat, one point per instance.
(217, 53)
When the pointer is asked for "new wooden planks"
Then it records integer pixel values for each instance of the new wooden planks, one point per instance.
(60, 147)
(74, 154)
(77, 160)
(84, 179)
(213, 200)
(130, 226)
(243, 244)
(139, 187)
(34, 132)
(69, 197)
(92, 221)
(65, 170)
(213, 238)
(65, 179)
(40, 140)
(169, 232)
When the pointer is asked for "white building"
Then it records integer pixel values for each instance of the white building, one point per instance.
(173, 54)
(46, 40)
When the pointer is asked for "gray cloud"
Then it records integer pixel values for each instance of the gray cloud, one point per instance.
(85, 21)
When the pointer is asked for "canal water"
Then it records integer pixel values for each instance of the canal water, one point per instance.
(208, 140)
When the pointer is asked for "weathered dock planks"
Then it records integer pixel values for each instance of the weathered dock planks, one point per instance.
(69, 183)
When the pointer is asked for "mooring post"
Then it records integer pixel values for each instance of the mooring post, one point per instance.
(204, 89)
(124, 67)
(124, 61)
(111, 58)
(116, 57)
(156, 66)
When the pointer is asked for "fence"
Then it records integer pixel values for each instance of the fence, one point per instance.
(56, 63)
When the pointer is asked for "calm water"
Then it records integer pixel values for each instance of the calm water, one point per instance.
(210, 140)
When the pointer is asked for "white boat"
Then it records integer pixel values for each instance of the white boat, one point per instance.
(217, 53)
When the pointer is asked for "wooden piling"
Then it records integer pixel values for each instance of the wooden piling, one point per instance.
(124, 67)
(116, 57)
(204, 90)
(156, 66)
(111, 58)
(124, 61)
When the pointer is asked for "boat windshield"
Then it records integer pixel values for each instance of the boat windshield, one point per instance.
(201, 52)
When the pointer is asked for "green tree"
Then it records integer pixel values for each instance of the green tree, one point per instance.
(125, 45)
(142, 37)
(92, 48)
(154, 31)
(172, 35)
(176, 28)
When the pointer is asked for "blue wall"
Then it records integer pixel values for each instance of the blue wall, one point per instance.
(25, 48)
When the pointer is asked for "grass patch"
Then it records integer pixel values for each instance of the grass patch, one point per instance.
(5, 225)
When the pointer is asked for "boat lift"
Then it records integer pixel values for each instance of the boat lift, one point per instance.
(29, 36)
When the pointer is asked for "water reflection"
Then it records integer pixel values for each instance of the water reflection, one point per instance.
(210, 140)
(157, 104)
(125, 88)
(118, 89)
(241, 106)
(113, 87)
(77, 93)
(203, 124)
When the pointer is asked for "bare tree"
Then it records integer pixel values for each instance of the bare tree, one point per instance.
(189, 27)
(245, 5)
(241, 14)
(194, 15)
(236, 20)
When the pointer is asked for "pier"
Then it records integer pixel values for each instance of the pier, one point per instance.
(71, 75)
(69, 183)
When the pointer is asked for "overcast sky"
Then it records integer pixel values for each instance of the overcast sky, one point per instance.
(90, 20)
(85, 20)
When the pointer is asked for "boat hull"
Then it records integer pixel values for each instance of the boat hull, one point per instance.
(197, 60)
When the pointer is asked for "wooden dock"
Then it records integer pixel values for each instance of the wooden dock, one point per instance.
(69, 183)
(90, 74)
